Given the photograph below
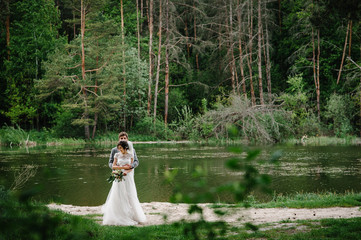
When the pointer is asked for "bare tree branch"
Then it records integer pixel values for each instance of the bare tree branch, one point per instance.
(349, 58)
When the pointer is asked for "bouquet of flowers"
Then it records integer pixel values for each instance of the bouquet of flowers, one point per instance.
(117, 175)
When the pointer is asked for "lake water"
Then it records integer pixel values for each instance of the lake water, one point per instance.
(77, 175)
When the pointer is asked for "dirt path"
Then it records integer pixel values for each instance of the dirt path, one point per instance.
(156, 212)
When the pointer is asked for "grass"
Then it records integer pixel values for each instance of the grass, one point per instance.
(338, 229)
(303, 200)
(312, 200)
(17, 136)
(342, 229)
(302, 229)
(11, 136)
(24, 219)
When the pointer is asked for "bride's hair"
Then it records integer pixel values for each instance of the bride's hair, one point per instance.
(124, 144)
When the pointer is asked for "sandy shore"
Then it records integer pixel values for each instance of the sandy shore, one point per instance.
(162, 213)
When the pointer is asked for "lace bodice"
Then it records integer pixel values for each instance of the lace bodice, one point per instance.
(123, 159)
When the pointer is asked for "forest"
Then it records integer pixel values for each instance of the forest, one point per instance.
(181, 69)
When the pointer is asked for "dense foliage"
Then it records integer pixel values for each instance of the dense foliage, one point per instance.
(80, 68)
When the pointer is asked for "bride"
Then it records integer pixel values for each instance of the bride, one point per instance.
(122, 206)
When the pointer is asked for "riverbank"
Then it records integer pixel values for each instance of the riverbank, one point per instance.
(159, 213)
(10, 136)
(312, 141)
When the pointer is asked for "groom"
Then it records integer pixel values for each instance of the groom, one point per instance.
(123, 136)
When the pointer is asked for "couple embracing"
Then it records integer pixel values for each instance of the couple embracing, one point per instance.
(122, 206)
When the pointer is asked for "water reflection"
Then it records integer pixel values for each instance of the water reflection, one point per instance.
(78, 175)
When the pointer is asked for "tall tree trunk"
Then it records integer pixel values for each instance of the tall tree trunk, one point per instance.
(265, 62)
(158, 63)
(123, 63)
(141, 9)
(343, 53)
(86, 114)
(166, 65)
(95, 124)
(350, 40)
(96, 91)
(219, 39)
(36, 58)
(314, 58)
(260, 85)
(82, 29)
(318, 75)
(249, 59)
(243, 80)
(315, 75)
(138, 33)
(230, 32)
(236, 76)
(316, 69)
(74, 27)
(7, 25)
(268, 65)
(150, 55)
(187, 38)
(82, 26)
(195, 33)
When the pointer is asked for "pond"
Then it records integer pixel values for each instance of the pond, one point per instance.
(77, 175)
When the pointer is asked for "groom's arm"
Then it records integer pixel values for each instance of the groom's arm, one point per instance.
(136, 161)
(111, 158)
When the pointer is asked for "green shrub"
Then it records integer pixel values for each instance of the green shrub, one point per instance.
(64, 128)
(339, 112)
(184, 125)
(42, 136)
(296, 102)
(202, 128)
(158, 129)
(309, 125)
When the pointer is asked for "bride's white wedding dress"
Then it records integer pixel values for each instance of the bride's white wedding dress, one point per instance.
(122, 206)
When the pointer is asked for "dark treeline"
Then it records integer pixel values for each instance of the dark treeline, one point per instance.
(273, 68)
